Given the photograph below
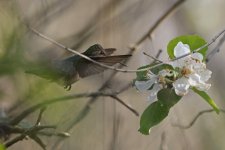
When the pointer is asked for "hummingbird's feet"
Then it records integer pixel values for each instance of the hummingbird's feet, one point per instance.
(67, 87)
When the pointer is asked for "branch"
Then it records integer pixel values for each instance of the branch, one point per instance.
(31, 132)
(195, 119)
(47, 102)
(169, 12)
(38, 122)
(204, 46)
(124, 104)
(15, 140)
(216, 49)
(113, 67)
(154, 58)
(60, 134)
(77, 53)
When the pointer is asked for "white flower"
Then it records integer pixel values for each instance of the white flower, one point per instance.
(181, 86)
(193, 71)
(181, 49)
(153, 85)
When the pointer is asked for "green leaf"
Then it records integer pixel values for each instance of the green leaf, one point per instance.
(161, 67)
(168, 97)
(142, 76)
(194, 41)
(208, 99)
(152, 115)
(158, 110)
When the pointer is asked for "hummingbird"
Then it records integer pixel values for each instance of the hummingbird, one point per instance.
(69, 70)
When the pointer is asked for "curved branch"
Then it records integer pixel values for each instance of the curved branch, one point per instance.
(45, 103)
(216, 49)
(33, 108)
(169, 12)
(195, 119)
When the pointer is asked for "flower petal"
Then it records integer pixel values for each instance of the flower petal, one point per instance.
(143, 86)
(203, 86)
(181, 86)
(194, 79)
(180, 63)
(181, 49)
(153, 93)
(205, 74)
(197, 56)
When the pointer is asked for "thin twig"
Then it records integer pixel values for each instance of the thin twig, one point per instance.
(31, 132)
(195, 119)
(158, 53)
(45, 103)
(60, 134)
(40, 116)
(154, 58)
(169, 12)
(33, 108)
(15, 140)
(77, 53)
(21, 130)
(113, 67)
(124, 104)
(216, 49)
(204, 46)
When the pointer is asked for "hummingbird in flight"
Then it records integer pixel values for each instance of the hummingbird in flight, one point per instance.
(71, 69)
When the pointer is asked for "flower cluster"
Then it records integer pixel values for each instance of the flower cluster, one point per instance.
(187, 72)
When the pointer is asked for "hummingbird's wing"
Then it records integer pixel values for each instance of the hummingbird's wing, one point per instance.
(86, 68)
(98, 50)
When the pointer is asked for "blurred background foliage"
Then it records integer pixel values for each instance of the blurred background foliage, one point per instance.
(112, 23)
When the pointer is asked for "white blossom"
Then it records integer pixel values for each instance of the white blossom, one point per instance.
(189, 71)
(193, 71)
(152, 86)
